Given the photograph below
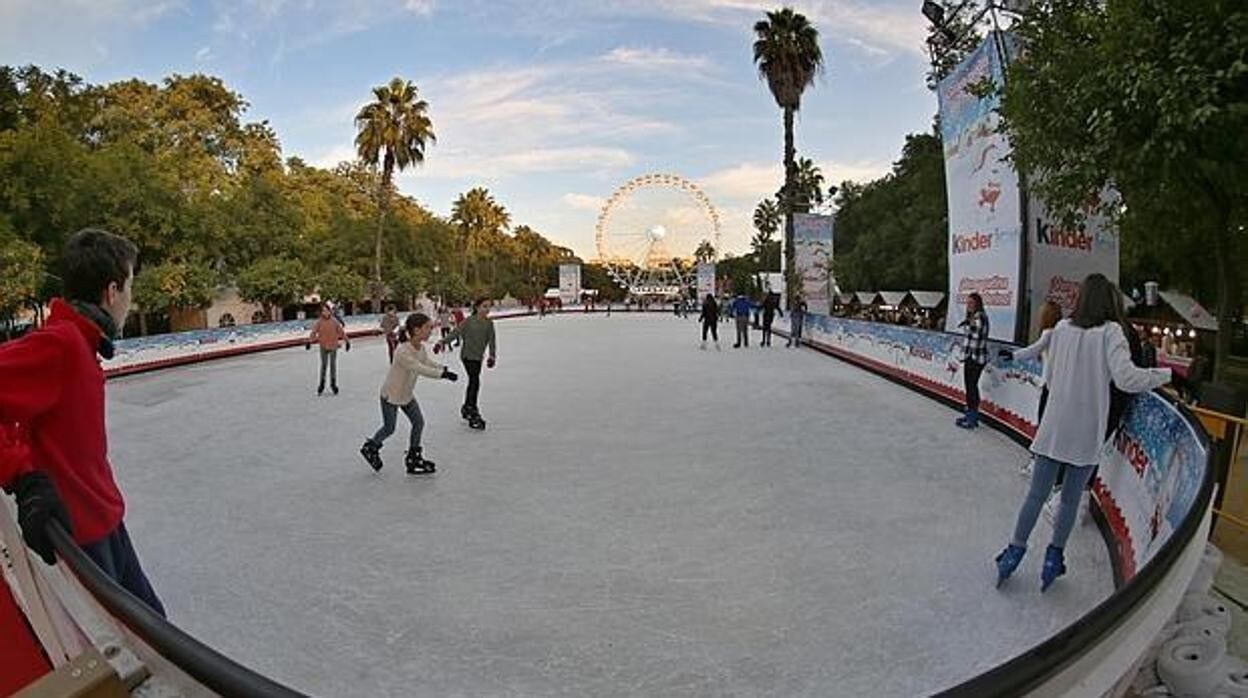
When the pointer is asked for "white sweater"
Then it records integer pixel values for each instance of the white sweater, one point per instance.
(1080, 365)
(409, 362)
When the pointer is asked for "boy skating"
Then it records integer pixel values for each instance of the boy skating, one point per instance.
(476, 333)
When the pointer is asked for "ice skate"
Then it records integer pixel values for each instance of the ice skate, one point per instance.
(334, 388)
(416, 463)
(968, 421)
(1008, 561)
(1054, 567)
(372, 453)
(475, 421)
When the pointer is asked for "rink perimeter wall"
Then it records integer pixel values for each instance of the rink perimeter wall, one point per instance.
(1153, 493)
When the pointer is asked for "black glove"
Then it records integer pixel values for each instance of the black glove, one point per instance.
(449, 375)
(307, 345)
(37, 505)
(1005, 355)
(348, 346)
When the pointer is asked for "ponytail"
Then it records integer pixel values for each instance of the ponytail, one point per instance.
(413, 322)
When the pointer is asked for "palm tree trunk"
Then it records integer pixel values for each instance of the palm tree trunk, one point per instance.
(790, 171)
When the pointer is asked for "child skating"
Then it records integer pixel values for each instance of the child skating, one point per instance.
(329, 335)
(476, 332)
(397, 393)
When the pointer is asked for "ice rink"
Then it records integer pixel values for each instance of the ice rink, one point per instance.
(641, 518)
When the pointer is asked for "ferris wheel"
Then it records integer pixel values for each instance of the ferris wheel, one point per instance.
(649, 231)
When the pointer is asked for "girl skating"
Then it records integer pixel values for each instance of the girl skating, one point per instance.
(710, 320)
(397, 393)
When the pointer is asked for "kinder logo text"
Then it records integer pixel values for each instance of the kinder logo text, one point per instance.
(1132, 452)
(975, 242)
(1052, 236)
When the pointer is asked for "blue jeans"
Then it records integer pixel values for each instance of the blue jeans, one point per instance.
(115, 555)
(1043, 474)
(390, 414)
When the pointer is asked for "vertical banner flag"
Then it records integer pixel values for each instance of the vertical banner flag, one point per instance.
(812, 243)
(985, 224)
(1058, 258)
(706, 279)
(569, 283)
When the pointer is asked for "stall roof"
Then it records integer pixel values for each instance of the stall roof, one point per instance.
(927, 299)
(865, 297)
(1190, 310)
(893, 298)
(845, 298)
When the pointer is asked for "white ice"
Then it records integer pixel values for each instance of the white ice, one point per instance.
(641, 518)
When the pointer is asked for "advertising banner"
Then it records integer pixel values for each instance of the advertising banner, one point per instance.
(706, 279)
(569, 283)
(812, 243)
(1059, 259)
(985, 223)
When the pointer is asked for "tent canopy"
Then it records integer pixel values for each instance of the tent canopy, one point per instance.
(928, 299)
(893, 298)
(865, 297)
(1190, 310)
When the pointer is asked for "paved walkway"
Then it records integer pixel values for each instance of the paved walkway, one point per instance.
(641, 519)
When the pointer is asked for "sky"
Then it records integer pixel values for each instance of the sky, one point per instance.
(550, 104)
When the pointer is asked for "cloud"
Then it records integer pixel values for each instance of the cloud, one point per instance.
(583, 202)
(330, 158)
(655, 59)
(75, 34)
(423, 8)
(204, 54)
(754, 181)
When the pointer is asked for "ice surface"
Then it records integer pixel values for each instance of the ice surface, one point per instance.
(641, 518)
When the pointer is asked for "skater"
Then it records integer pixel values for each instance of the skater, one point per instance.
(710, 320)
(974, 357)
(797, 320)
(608, 308)
(477, 332)
(458, 316)
(771, 308)
(444, 320)
(397, 393)
(741, 311)
(390, 328)
(51, 384)
(1087, 352)
(329, 335)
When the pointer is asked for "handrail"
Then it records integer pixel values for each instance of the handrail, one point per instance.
(206, 665)
(1027, 671)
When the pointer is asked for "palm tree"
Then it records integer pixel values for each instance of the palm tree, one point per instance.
(786, 49)
(808, 189)
(479, 219)
(767, 219)
(393, 131)
(705, 254)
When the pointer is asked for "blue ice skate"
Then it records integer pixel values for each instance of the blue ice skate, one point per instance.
(1054, 567)
(970, 420)
(1008, 561)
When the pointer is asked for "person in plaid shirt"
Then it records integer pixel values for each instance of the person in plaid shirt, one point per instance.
(974, 357)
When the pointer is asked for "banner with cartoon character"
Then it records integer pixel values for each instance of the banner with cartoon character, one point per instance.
(812, 243)
(706, 280)
(1150, 474)
(569, 283)
(985, 222)
(1059, 258)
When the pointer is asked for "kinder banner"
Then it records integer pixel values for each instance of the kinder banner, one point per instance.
(569, 283)
(985, 224)
(1150, 475)
(812, 242)
(1059, 258)
(706, 280)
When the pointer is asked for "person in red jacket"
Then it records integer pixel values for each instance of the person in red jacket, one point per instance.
(52, 384)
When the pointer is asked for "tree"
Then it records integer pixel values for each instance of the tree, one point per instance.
(410, 282)
(953, 39)
(171, 286)
(341, 284)
(393, 131)
(21, 276)
(808, 192)
(705, 254)
(1151, 99)
(786, 49)
(274, 282)
(481, 221)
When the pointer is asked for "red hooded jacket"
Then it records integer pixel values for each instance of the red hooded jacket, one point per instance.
(52, 384)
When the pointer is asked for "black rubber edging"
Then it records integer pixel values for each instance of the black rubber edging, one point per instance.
(204, 664)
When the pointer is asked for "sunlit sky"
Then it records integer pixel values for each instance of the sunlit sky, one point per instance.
(551, 104)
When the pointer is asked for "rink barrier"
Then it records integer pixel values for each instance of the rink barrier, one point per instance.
(1156, 473)
(200, 662)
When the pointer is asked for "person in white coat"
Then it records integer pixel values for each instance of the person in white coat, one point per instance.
(1085, 353)
(411, 359)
